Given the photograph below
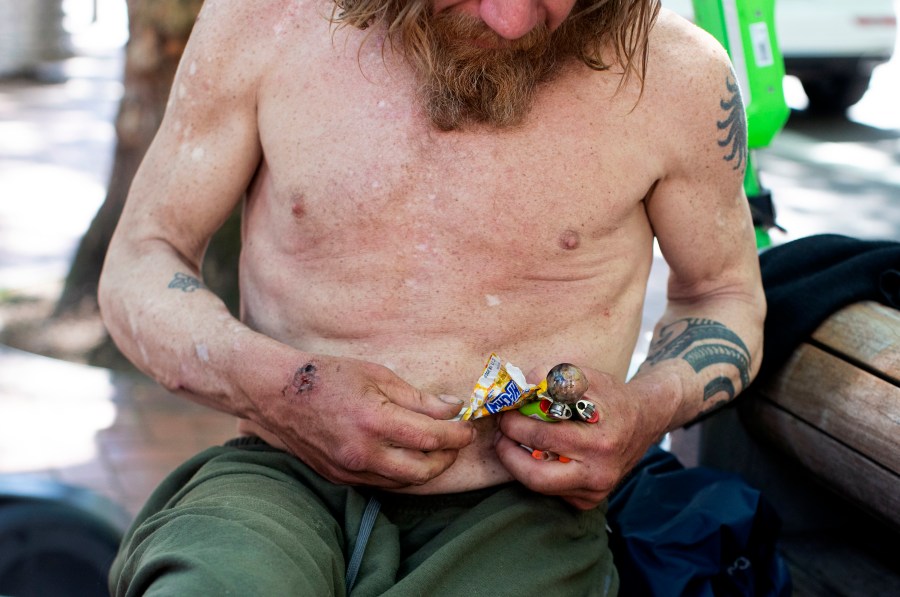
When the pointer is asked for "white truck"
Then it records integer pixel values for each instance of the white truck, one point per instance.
(832, 46)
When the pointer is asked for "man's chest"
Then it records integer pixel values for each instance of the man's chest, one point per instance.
(350, 156)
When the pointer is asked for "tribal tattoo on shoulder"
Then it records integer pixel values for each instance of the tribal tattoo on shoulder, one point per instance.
(734, 125)
(185, 283)
(704, 343)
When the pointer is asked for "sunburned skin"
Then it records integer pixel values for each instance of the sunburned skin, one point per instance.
(533, 227)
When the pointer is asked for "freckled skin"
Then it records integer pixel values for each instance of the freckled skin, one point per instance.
(539, 243)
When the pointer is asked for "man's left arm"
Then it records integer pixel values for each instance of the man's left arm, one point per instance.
(707, 346)
(709, 340)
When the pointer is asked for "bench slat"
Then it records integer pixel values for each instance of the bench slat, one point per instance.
(841, 400)
(866, 332)
(850, 473)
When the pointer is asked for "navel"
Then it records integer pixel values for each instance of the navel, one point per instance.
(569, 240)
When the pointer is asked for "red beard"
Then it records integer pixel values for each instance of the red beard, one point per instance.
(476, 76)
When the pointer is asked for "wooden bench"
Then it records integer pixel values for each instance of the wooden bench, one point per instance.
(835, 407)
(821, 439)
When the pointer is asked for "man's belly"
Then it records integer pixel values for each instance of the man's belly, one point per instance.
(476, 466)
(533, 334)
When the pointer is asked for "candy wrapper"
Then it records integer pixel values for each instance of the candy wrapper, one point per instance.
(501, 387)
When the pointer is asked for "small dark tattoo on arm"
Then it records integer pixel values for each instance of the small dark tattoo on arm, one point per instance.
(719, 384)
(733, 126)
(303, 381)
(185, 283)
(703, 343)
(707, 355)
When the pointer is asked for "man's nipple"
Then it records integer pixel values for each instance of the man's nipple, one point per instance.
(569, 240)
(298, 208)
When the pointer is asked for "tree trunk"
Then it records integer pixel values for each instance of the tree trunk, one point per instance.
(158, 32)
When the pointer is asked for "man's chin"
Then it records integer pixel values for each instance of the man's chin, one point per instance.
(478, 77)
(484, 43)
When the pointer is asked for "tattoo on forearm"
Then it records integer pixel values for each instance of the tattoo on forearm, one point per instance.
(303, 381)
(734, 126)
(185, 283)
(719, 384)
(704, 343)
(707, 355)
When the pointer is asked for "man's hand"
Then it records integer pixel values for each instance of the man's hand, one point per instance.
(357, 423)
(601, 454)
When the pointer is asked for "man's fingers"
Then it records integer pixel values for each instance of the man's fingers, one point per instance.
(417, 420)
(405, 429)
(414, 467)
(583, 503)
(555, 436)
(547, 477)
(391, 435)
(390, 467)
(443, 406)
(550, 477)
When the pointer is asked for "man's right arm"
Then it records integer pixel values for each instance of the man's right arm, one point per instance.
(362, 425)
(191, 178)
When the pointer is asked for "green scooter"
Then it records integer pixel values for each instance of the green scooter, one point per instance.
(746, 29)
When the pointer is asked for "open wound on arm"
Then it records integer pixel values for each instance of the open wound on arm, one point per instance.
(705, 344)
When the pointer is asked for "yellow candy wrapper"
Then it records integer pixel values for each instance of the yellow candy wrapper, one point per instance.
(500, 387)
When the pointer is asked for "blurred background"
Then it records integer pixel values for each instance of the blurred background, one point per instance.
(82, 86)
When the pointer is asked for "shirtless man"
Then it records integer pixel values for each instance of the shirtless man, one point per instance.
(398, 228)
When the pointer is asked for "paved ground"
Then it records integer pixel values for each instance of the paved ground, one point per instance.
(114, 434)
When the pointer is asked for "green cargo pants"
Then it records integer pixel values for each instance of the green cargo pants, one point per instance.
(247, 519)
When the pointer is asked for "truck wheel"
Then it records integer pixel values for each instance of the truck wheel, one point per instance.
(831, 96)
(54, 548)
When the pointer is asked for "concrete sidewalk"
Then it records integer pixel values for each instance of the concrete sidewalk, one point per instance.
(115, 434)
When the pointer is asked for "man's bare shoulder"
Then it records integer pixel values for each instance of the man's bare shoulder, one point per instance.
(250, 34)
(684, 60)
(688, 77)
(260, 19)
(680, 40)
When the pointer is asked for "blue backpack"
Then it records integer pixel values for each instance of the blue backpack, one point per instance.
(694, 532)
